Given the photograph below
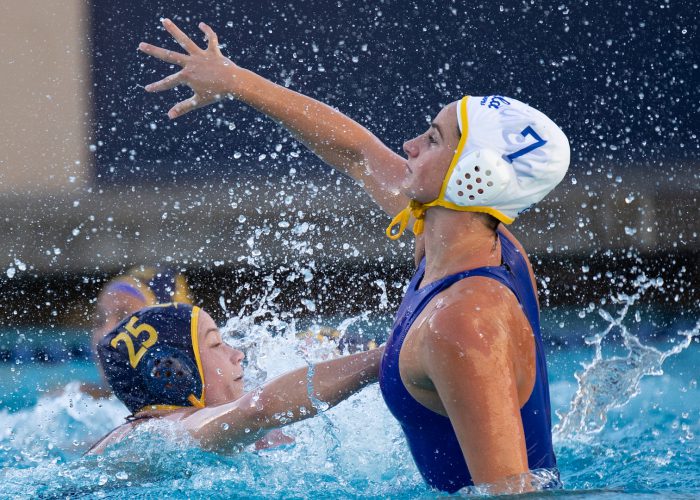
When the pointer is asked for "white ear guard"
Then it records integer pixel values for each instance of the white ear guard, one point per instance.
(479, 179)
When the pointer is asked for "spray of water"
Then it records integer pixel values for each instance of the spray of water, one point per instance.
(607, 383)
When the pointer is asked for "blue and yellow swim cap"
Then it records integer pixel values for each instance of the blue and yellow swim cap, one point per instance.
(151, 359)
(153, 285)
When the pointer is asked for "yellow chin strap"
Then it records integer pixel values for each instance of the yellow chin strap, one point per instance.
(418, 209)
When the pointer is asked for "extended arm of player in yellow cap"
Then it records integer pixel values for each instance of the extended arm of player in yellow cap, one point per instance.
(289, 398)
(335, 138)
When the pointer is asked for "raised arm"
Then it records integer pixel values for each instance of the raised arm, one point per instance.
(286, 399)
(338, 140)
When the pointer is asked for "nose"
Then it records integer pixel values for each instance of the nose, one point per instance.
(237, 356)
(410, 148)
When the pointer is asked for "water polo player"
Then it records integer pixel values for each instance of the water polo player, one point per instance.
(139, 287)
(464, 369)
(170, 362)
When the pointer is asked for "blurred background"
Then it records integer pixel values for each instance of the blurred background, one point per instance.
(94, 178)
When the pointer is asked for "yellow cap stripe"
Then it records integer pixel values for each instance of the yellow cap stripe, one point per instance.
(488, 210)
(159, 407)
(460, 147)
(182, 290)
(195, 345)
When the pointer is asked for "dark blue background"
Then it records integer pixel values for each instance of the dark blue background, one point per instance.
(619, 77)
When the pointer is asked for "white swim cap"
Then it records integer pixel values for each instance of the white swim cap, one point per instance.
(509, 157)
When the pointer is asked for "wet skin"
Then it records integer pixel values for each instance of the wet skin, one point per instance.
(221, 363)
(429, 156)
(470, 355)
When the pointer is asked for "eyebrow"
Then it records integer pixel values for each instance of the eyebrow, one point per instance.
(212, 329)
(437, 127)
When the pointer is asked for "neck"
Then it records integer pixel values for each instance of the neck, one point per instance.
(457, 241)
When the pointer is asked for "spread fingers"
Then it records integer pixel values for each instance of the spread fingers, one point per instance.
(183, 107)
(163, 54)
(212, 37)
(166, 83)
(184, 41)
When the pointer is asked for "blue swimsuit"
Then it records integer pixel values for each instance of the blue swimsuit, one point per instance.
(430, 436)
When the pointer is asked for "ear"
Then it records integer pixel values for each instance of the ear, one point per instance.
(478, 179)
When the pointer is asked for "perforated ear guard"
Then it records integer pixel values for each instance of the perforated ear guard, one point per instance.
(170, 374)
(478, 179)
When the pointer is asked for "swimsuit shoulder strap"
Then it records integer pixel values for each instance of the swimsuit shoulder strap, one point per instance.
(513, 274)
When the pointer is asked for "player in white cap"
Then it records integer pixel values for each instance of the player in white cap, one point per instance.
(464, 369)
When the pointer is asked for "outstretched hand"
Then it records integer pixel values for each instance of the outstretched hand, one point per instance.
(207, 72)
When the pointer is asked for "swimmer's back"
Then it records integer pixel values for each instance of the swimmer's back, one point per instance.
(115, 436)
(120, 433)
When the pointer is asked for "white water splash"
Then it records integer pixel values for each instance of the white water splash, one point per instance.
(609, 383)
(69, 420)
(528, 482)
(273, 343)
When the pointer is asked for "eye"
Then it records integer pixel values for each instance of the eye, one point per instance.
(431, 139)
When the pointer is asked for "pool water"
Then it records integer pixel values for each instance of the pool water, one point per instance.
(616, 448)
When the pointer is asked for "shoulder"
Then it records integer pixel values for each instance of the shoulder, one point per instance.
(113, 437)
(467, 343)
(474, 312)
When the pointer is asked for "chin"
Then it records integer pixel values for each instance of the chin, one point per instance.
(408, 190)
(237, 390)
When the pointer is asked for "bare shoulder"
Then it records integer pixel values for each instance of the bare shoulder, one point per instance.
(114, 437)
(122, 432)
(475, 310)
(477, 330)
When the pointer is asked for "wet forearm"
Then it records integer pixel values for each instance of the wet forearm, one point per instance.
(335, 138)
(302, 392)
(289, 398)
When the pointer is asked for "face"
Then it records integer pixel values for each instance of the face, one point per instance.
(429, 156)
(222, 364)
